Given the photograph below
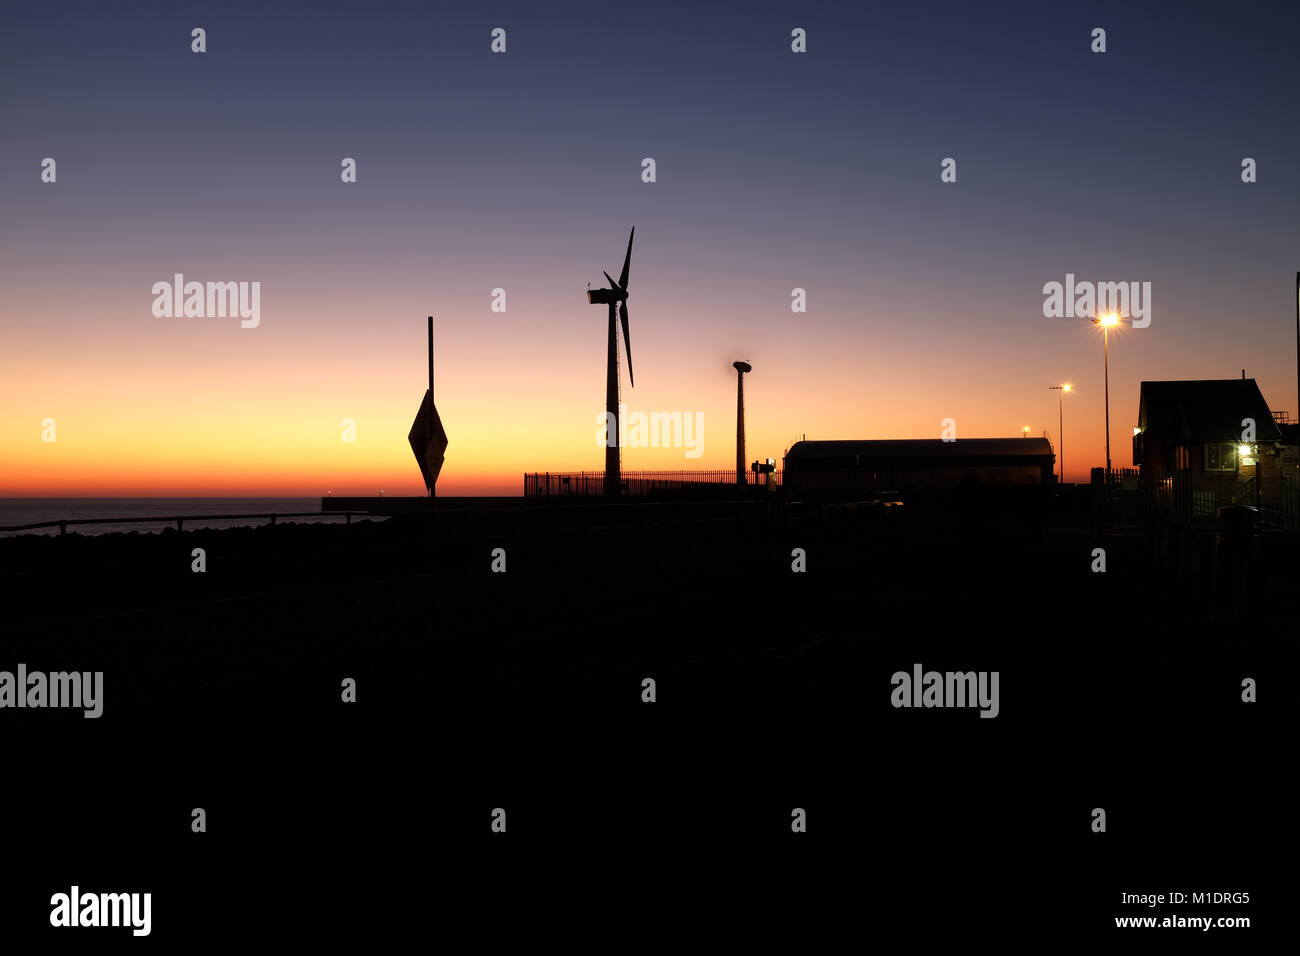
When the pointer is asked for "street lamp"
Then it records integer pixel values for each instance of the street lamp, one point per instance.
(1107, 322)
(1060, 413)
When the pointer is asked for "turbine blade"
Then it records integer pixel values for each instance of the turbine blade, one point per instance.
(627, 261)
(614, 285)
(627, 342)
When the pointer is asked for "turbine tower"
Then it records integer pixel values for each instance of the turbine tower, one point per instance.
(741, 368)
(615, 295)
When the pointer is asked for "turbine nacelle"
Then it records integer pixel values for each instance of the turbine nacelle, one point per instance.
(604, 296)
(616, 294)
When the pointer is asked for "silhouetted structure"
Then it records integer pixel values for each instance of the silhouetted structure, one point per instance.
(1290, 448)
(1197, 429)
(427, 438)
(841, 467)
(741, 368)
(1196, 456)
(616, 295)
(702, 485)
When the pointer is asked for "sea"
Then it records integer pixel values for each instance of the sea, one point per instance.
(162, 512)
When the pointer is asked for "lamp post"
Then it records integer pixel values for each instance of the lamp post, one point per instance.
(1060, 414)
(1107, 322)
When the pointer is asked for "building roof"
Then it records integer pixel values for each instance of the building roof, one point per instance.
(1194, 412)
(922, 451)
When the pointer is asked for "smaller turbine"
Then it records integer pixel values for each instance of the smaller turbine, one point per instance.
(615, 295)
(741, 368)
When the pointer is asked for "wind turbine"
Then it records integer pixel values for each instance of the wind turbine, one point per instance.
(615, 295)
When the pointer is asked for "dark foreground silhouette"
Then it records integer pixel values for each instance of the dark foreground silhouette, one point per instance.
(524, 690)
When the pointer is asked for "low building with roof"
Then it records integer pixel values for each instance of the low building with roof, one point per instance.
(1210, 444)
(866, 467)
(1206, 429)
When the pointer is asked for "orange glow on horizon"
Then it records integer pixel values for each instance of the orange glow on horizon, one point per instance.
(205, 411)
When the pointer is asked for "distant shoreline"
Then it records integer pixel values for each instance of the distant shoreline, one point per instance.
(143, 512)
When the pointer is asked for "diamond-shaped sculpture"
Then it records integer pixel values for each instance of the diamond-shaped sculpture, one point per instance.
(429, 445)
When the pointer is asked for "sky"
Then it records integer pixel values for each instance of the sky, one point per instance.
(522, 171)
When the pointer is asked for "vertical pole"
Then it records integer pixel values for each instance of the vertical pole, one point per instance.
(613, 480)
(740, 427)
(428, 424)
(1060, 429)
(1106, 334)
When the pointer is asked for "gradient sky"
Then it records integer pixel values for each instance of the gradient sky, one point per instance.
(522, 171)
